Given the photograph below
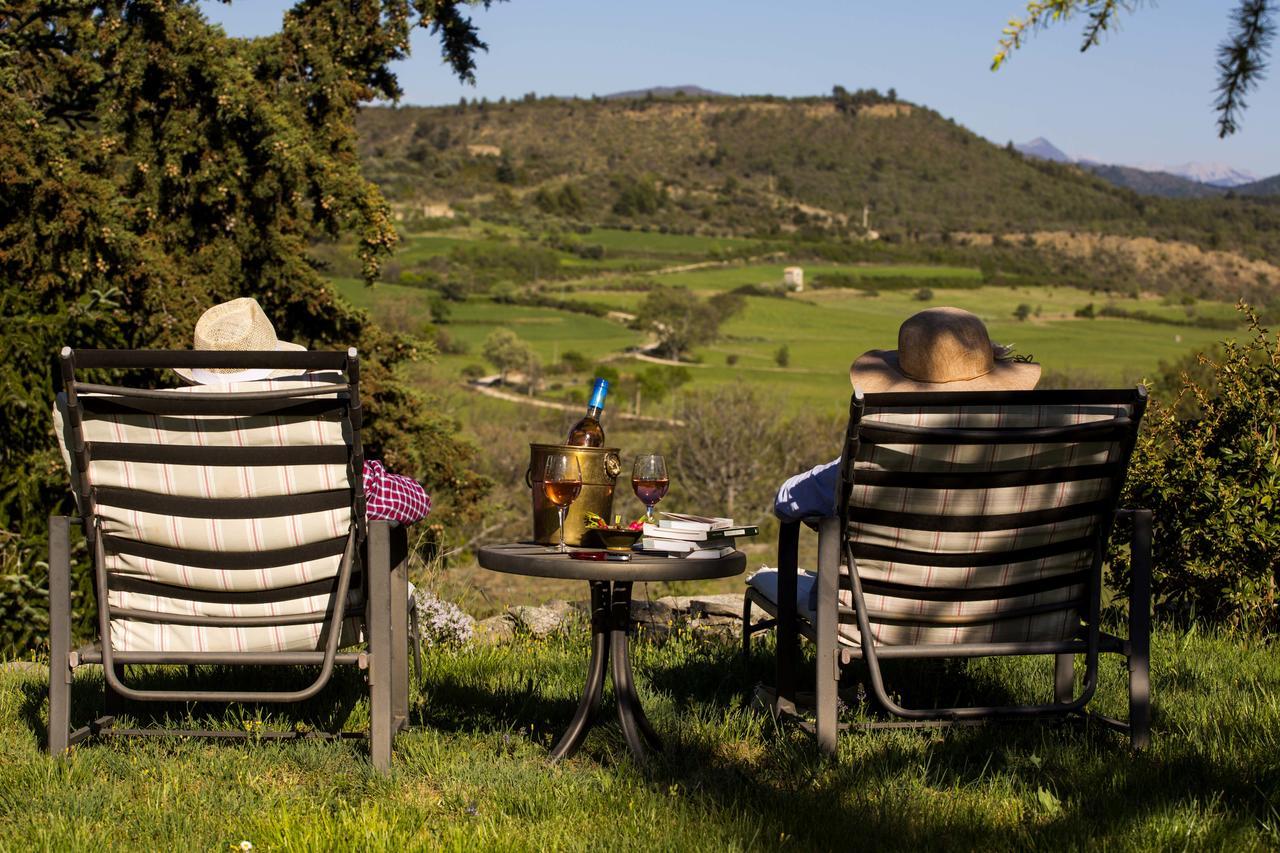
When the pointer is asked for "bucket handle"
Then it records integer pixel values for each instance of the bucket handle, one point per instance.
(528, 476)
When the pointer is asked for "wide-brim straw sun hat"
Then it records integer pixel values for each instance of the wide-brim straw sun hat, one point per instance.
(942, 349)
(236, 326)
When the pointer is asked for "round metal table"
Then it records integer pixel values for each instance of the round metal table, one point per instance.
(610, 626)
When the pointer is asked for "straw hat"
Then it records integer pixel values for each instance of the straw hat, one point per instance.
(942, 349)
(236, 326)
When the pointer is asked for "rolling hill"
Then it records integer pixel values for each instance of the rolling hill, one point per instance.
(766, 166)
(1265, 187)
(1164, 184)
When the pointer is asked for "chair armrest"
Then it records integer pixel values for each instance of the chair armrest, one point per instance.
(397, 539)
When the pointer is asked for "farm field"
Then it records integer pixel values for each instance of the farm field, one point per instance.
(550, 331)
(822, 329)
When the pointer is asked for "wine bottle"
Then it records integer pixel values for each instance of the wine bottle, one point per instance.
(588, 432)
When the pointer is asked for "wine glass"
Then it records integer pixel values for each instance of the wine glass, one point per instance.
(561, 482)
(649, 480)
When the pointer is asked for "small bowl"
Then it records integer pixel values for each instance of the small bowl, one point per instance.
(615, 538)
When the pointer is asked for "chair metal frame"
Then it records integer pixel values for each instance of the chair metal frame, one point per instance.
(377, 547)
(837, 550)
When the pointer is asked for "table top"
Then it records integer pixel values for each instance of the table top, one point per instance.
(526, 558)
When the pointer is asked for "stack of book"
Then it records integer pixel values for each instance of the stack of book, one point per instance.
(694, 537)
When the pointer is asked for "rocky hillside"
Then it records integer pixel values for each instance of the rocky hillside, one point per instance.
(765, 166)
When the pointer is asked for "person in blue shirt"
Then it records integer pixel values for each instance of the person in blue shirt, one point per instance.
(939, 349)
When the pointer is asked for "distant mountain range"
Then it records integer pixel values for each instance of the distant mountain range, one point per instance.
(1044, 149)
(1185, 180)
(1213, 174)
(669, 91)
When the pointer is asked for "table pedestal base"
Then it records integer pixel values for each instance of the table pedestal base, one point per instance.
(610, 635)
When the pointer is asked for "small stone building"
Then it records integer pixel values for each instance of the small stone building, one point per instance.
(793, 278)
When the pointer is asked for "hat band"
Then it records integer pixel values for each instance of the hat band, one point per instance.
(910, 375)
(223, 376)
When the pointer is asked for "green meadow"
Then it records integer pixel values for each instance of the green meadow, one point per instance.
(823, 329)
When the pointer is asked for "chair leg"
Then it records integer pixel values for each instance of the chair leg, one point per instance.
(400, 629)
(787, 638)
(746, 627)
(828, 670)
(1064, 678)
(1140, 633)
(378, 624)
(59, 634)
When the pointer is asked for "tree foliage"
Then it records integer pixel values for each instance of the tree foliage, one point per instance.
(681, 321)
(507, 351)
(153, 166)
(1213, 482)
(736, 446)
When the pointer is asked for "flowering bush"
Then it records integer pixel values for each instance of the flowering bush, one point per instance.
(443, 622)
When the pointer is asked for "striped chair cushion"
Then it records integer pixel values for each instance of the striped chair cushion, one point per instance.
(229, 535)
(868, 534)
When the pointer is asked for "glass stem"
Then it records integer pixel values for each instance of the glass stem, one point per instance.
(560, 512)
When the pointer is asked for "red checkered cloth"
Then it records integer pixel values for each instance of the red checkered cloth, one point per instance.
(393, 497)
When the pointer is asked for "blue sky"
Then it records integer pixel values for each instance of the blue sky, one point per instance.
(1141, 97)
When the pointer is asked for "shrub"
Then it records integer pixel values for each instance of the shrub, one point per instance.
(440, 310)
(1022, 312)
(638, 196)
(607, 372)
(575, 361)
(447, 344)
(924, 294)
(1213, 483)
(783, 356)
(1086, 312)
(656, 382)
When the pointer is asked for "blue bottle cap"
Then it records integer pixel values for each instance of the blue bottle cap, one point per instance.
(598, 392)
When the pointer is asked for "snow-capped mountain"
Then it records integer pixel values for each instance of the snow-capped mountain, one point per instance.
(1217, 175)
(1213, 174)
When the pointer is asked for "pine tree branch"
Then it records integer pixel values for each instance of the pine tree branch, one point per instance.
(459, 39)
(1100, 20)
(1042, 14)
(1242, 60)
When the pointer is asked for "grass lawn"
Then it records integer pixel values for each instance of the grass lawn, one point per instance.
(475, 774)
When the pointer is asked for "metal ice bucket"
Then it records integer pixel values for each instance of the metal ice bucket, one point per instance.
(600, 467)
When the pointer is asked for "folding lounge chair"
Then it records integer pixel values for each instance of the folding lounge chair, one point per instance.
(226, 526)
(967, 524)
